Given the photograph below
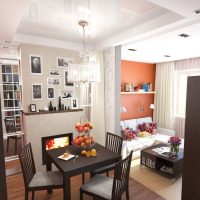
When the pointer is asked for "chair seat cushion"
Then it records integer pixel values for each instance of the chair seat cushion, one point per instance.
(103, 169)
(49, 178)
(99, 185)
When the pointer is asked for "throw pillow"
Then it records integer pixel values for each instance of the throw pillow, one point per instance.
(128, 134)
(148, 127)
(143, 134)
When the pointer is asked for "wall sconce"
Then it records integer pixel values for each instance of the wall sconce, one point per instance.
(141, 108)
(152, 106)
(122, 109)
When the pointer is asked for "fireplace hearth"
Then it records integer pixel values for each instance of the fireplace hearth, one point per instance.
(55, 141)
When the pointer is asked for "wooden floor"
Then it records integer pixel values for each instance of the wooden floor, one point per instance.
(15, 187)
(11, 150)
(13, 167)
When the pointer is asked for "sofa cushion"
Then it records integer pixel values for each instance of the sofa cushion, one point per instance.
(145, 119)
(132, 123)
(128, 134)
(139, 143)
(149, 127)
(143, 134)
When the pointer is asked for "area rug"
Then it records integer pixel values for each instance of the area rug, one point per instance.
(138, 191)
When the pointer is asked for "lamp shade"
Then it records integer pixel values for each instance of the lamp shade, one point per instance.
(152, 106)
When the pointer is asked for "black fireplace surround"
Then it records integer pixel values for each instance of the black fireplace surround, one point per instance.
(67, 137)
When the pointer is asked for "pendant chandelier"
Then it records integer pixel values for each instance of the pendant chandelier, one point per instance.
(85, 69)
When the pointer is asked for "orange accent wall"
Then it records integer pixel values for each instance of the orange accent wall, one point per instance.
(137, 73)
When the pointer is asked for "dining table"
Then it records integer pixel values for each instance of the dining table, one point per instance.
(79, 164)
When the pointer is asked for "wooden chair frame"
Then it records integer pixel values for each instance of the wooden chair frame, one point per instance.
(29, 170)
(120, 181)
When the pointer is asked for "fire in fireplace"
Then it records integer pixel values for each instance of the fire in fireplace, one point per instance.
(53, 142)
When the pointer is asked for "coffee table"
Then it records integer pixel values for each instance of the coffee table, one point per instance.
(170, 167)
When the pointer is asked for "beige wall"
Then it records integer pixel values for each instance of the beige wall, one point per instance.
(49, 56)
(42, 125)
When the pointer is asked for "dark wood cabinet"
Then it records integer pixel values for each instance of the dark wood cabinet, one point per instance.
(191, 161)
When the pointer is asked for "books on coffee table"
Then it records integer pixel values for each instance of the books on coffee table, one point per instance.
(163, 151)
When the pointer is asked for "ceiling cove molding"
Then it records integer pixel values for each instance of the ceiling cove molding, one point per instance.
(139, 31)
(176, 26)
(42, 41)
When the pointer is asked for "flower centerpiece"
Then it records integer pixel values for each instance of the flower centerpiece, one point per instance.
(174, 142)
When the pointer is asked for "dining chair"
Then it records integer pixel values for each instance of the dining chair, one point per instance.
(114, 144)
(110, 188)
(35, 181)
(11, 128)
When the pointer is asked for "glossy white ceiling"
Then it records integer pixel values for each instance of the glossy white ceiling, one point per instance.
(58, 19)
(150, 26)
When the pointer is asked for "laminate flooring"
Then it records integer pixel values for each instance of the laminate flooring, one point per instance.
(15, 187)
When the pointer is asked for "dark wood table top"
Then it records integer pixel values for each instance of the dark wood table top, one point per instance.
(82, 163)
(153, 153)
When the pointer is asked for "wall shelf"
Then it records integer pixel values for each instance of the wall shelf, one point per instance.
(152, 92)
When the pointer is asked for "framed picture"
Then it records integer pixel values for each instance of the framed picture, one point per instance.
(53, 81)
(66, 93)
(33, 107)
(50, 93)
(37, 91)
(66, 82)
(54, 72)
(63, 62)
(74, 103)
(35, 64)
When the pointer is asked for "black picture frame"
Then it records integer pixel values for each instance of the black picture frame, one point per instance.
(35, 64)
(66, 82)
(50, 93)
(37, 91)
(33, 108)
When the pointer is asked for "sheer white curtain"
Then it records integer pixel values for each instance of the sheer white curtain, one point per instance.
(180, 97)
(97, 102)
(164, 98)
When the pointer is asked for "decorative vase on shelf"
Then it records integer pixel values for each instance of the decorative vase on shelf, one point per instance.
(50, 106)
(59, 104)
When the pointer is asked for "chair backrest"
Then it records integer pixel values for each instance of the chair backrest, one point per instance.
(27, 164)
(121, 177)
(10, 125)
(114, 142)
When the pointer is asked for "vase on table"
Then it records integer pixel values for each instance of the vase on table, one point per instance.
(174, 149)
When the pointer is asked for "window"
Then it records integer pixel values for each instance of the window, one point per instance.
(181, 89)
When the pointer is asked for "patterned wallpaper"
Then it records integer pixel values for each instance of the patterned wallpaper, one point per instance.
(109, 65)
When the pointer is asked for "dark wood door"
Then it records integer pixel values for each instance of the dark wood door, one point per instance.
(191, 161)
(3, 191)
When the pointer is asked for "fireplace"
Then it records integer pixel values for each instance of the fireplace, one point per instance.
(53, 142)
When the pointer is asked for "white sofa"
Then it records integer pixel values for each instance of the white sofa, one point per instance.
(139, 143)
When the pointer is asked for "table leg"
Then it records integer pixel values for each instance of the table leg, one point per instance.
(67, 187)
(48, 168)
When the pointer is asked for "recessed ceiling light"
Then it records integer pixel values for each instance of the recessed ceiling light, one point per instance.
(167, 56)
(132, 49)
(184, 35)
(5, 47)
(7, 42)
(197, 11)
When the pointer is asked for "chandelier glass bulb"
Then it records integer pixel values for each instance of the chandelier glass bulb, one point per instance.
(85, 69)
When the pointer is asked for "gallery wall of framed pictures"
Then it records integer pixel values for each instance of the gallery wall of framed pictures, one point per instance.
(46, 78)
